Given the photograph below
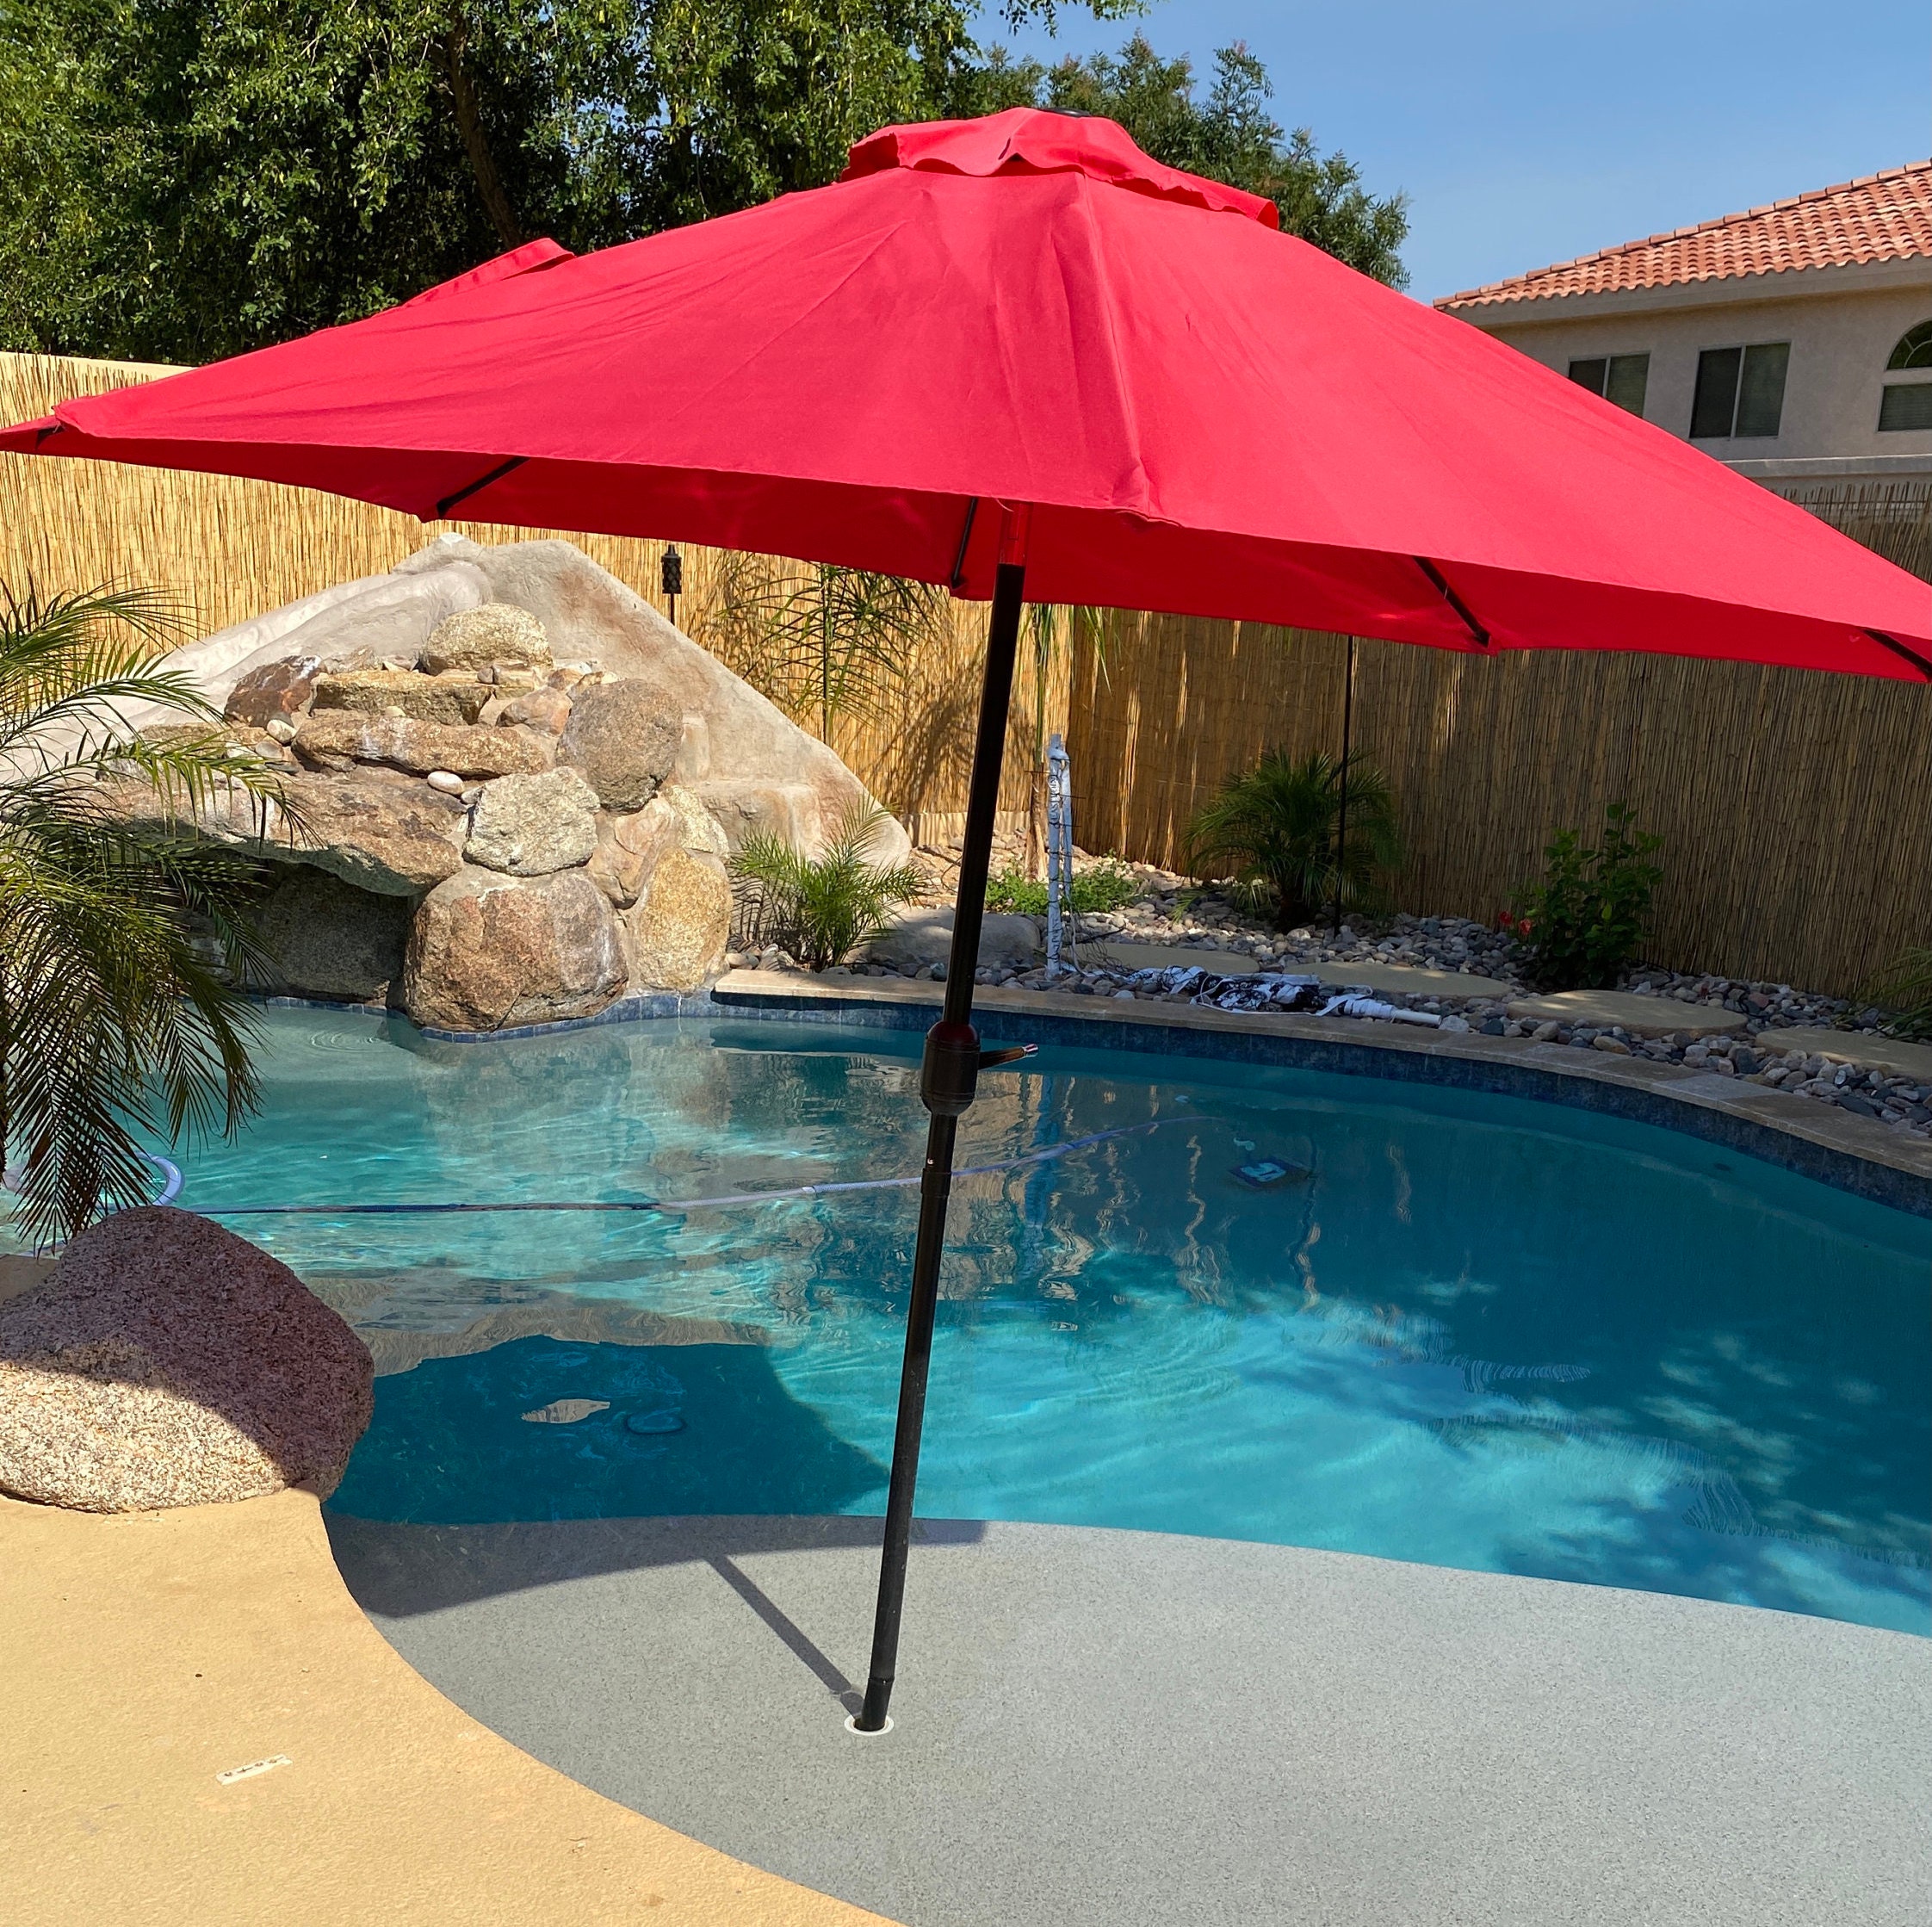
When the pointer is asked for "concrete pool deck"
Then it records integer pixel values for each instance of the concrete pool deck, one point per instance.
(1102, 1729)
(148, 1655)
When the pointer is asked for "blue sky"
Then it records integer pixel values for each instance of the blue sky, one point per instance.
(1528, 133)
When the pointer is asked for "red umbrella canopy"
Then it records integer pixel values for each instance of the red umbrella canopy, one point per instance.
(1201, 415)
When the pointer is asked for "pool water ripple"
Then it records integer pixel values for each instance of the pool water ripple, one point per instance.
(1465, 1329)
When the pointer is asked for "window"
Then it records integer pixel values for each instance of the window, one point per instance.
(1909, 404)
(1913, 349)
(1740, 391)
(1618, 378)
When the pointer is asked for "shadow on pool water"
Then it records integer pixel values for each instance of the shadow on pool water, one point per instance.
(450, 1444)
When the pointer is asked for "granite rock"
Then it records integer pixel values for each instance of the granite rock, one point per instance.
(681, 927)
(339, 739)
(331, 939)
(488, 951)
(447, 700)
(275, 692)
(380, 833)
(529, 825)
(625, 739)
(476, 638)
(169, 1362)
(548, 709)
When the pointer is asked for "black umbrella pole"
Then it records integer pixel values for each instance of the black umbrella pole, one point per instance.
(946, 1084)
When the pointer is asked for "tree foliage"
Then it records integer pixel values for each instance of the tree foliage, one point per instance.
(185, 179)
(1228, 135)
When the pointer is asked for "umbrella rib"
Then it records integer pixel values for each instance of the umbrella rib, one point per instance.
(1898, 649)
(1475, 629)
(965, 540)
(476, 487)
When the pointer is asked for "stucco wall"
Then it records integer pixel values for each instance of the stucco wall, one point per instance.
(1840, 341)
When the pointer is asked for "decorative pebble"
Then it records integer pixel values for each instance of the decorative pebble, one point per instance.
(447, 781)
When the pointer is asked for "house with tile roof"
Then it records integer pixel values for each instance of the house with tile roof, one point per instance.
(1792, 341)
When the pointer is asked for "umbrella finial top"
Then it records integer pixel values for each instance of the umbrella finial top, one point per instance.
(1034, 140)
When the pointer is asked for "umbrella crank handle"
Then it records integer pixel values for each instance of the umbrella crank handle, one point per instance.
(1012, 1054)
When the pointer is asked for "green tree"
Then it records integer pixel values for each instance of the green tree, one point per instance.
(113, 1019)
(1228, 135)
(181, 181)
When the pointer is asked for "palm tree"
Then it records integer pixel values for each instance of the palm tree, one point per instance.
(112, 1020)
(832, 640)
(1272, 830)
(823, 908)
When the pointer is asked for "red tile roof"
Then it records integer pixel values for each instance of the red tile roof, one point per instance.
(1882, 217)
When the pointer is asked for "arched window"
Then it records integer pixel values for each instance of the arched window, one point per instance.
(1913, 349)
(1908, 405)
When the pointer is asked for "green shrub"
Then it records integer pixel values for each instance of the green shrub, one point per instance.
(1583, 923)
(821, 910)
(1902, 990)
(1273, 832)
(1108, 885)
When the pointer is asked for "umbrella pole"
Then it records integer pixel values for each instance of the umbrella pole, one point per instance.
(947, 1079)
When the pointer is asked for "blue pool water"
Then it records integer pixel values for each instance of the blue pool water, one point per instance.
(1466, 1329)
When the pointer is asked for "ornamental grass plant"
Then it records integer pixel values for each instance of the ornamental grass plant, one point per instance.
(821, 910)
(1275, 833)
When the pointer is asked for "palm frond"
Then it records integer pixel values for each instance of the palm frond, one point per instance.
(122, 944)
(821, 909)
(1272, 832)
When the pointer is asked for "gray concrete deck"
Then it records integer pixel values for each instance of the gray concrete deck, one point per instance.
(1102, 1728)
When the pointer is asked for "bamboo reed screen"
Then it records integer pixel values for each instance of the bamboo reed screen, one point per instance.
(1796, 809)
(226, 549)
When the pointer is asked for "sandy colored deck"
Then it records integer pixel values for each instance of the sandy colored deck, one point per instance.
(147, 1654)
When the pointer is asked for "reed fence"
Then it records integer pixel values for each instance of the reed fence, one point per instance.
(1796, 809)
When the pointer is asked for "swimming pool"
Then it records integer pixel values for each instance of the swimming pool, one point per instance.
(1466, 1329)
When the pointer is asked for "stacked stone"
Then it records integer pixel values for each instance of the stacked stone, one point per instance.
(506, 824)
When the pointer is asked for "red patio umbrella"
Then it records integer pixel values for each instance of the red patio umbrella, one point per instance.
(1018, 355)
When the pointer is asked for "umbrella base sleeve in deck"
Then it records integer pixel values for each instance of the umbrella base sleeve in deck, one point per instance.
(948, 1078)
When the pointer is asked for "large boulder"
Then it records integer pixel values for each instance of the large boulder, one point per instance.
(924, 937)
(488, 951)
(681, 926)
(476, 638)
(393, 834)
(169, 1362)
(379, 833)
(330, 939)
(449, 699)
(529, 825)
(625, 737)
(340, 739)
